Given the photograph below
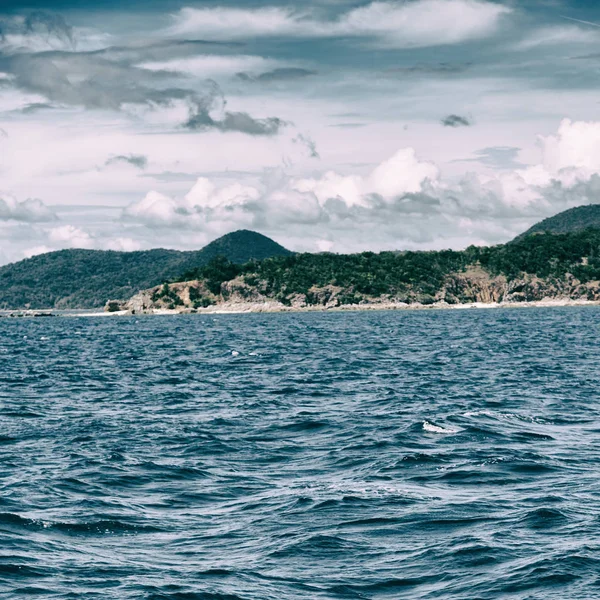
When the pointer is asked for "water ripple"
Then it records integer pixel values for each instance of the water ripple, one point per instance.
(442, 454)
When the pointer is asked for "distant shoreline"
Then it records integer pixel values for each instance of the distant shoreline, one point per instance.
(275, 307)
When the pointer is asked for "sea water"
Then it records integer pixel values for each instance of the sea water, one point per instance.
(409, 454)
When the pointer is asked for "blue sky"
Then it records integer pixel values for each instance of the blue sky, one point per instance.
(338, 126)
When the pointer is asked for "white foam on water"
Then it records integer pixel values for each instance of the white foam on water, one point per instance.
(431, 428)
(479, 413)
(235, 353)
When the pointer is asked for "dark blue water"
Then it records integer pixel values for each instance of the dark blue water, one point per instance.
(446, 454)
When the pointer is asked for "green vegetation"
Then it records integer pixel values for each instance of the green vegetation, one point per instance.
(198, 300)
(166, 294)
(574, 219)
(545, 255)
(247, 265)
(88, 278)
(407, 276)
(217, 271)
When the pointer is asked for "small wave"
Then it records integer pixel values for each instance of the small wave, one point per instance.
(108, 526)
(420, 458)
(306, 425)
(14, 520)
(22, 571)
(431, 428)
(105, 527)
(545, 518)
(216, 573)
(191, 596)
(317, 545)
(386, 586)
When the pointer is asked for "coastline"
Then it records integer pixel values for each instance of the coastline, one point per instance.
(276, 307)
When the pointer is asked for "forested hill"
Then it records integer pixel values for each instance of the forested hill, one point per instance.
(87, 278)
(537, 267)
(574, 219)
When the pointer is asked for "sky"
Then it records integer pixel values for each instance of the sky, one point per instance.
(337, 125)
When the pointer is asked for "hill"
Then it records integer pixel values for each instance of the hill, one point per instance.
(537, 267)
(574, 219)
(87, 278)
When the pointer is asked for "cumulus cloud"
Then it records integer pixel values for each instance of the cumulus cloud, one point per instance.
(281, 199)
(418, 23)
(36, 250)
(456, 121)
(404, 198)
(69, 236)
(155, 209)
(31, 210)
(58, 238)
(123, 244)
(401, 174)
(576, 145)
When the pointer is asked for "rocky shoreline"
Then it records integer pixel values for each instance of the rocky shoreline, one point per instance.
(277, 307)
(473, 288)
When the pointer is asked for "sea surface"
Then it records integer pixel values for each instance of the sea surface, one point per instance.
(409, 454)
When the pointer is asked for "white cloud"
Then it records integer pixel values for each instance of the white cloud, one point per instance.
(349, 188)
(69, 236)
(35, 250)
(558, 35)
(235, 22)
(210, 65)
(418, 23)
(204, 194)
(576, 145)
(31, 210)
(155, 209)
(123, 244)
(425, 22)
(404, 202)
(25, 240)
(403, 173)
(404, 199)
(281, 198)
(204, 203)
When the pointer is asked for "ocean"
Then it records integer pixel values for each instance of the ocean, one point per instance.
(408, 454)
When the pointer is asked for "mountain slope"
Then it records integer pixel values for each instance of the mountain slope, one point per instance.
(574, 219)
(544, 266)
(88, 278)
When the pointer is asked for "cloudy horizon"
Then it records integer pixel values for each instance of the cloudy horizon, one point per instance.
(341, 126)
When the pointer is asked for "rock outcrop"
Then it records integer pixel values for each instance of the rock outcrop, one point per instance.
(472, 286)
